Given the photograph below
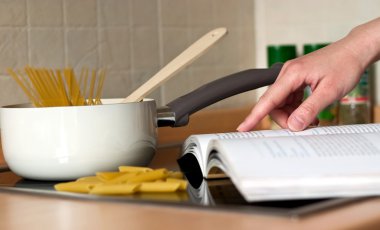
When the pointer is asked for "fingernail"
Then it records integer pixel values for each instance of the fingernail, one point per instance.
(295, 123)
(240, 127)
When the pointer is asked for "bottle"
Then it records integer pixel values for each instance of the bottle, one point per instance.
(308, 48)
(281, 53)
(328, 116)
(355, 107)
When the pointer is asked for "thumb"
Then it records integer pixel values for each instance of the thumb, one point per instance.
(306, 113)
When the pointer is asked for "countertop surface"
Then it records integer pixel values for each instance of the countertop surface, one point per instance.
(25, 209)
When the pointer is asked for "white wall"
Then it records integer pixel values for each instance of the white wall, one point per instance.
(133, 39)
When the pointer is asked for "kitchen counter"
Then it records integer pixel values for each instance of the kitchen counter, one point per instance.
(20, 210)
(25, 210)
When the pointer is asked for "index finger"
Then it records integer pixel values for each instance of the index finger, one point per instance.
(284, 85)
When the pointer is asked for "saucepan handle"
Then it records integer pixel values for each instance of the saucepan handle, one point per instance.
(178, 111)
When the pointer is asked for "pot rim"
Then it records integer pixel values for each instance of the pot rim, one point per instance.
(105, 101)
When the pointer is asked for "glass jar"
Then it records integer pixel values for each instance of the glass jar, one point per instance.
(355, 107)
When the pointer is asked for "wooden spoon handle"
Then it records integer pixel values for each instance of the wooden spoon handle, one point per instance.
(177, 64)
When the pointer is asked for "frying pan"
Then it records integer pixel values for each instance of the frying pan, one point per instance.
(64, 143)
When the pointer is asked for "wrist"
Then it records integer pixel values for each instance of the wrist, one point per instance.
(364, 42)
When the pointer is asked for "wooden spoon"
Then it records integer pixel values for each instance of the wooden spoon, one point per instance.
(181, 61)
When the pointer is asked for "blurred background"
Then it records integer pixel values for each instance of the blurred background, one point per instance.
(133, 39)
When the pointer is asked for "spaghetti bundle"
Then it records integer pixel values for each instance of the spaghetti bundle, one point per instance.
(47, 87)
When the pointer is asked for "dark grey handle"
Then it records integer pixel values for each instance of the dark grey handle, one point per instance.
(220, 89)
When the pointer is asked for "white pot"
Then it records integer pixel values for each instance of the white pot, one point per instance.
(64, 143)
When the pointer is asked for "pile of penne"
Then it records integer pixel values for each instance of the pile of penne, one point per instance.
(128, 180)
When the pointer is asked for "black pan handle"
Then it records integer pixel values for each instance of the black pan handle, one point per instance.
(218, 90)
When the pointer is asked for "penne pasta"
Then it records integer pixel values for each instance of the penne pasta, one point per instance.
(114, 189)
(77, 187)
(183, 183)
(173, 174)
(159, 187)
(123, 178)
(92, 179)
(134, 169)
(129, 180)
(149, 176)
(107, 176)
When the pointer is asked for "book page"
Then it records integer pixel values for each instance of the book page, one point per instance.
(198, 144)
(326, 130)
(271, 164)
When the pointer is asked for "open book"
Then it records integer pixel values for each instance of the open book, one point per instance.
(334, 161)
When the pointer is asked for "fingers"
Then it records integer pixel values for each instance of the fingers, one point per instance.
(291, 112)
(263, 107)
(273, 98)
(306, 113)
(277, 96)
(280, 117)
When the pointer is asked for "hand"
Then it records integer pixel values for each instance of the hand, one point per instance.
(331, 72)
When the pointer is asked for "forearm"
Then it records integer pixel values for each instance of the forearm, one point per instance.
(364, 42)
